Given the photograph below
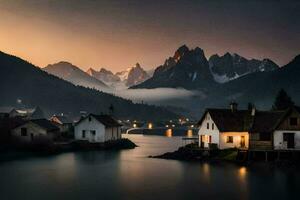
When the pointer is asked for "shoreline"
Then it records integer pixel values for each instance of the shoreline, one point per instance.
(11, 153)
(188, 154)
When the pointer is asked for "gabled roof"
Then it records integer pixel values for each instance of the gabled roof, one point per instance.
(6, 109)
(44, 123)
(63, 119)
(227, 120)
(107, 120)
(267, 121)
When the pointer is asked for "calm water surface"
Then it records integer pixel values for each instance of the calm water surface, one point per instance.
(129, 174)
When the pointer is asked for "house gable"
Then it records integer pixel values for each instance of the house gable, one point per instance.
(291, 121)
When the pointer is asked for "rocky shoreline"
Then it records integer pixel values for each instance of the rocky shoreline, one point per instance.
(188, 153)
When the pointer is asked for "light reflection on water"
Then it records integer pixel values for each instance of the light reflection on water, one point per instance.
(129, 174)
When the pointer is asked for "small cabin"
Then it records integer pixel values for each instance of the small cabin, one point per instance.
(97, 128)
(35, 131)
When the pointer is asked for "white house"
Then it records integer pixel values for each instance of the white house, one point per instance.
(224, 128)
(37, 130)
(97, 128)
(278, 130)
(250, 129)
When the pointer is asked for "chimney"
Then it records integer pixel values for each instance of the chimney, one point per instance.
(253, 110)
(233, 106)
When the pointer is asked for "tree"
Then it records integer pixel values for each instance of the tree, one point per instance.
(282, 101)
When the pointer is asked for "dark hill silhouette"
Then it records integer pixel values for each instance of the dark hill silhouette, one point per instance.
(22, 80)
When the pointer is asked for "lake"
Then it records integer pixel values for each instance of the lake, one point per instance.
(129, 174)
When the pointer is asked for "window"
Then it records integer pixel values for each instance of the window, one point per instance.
(90, 118)
(264, 136)
(207, 125)
(83, 134)
(23, 131)
(229, 139)
(293, 121)
(212, 126)
(93, 132)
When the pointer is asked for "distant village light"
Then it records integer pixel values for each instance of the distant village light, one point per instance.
(189, 133)
(150, 125)
(134, 125)
(169, 133)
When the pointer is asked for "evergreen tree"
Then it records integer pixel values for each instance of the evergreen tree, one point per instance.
(282, 101)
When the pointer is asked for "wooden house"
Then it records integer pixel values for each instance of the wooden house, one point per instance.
(97, 129)
(278, 130)
(35, 131)
(250, 129)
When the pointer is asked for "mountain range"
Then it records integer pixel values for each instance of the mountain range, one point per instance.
(35, 87)
(222, 79)
(102, 80)
(190, 69)
(75, 75)
(214, 82)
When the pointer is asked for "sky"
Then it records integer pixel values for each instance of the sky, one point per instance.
(116, 34)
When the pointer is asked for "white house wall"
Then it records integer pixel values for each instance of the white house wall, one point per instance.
(278, 139)
(214, 133)
(112, 133)
(90, 126)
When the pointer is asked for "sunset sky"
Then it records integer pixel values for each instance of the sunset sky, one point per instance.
(117, 34)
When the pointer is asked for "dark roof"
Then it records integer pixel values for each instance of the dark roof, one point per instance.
(6, 109)
(267, 121)
(107, 120)
(44, 123)
(63, 119)
(11, 123)
(227, 120)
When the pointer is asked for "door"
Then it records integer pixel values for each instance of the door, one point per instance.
(93, 136)
(289, 138)
(202, 141)
(243, 142)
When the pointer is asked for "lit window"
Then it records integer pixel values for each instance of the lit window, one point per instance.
(229, 139)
